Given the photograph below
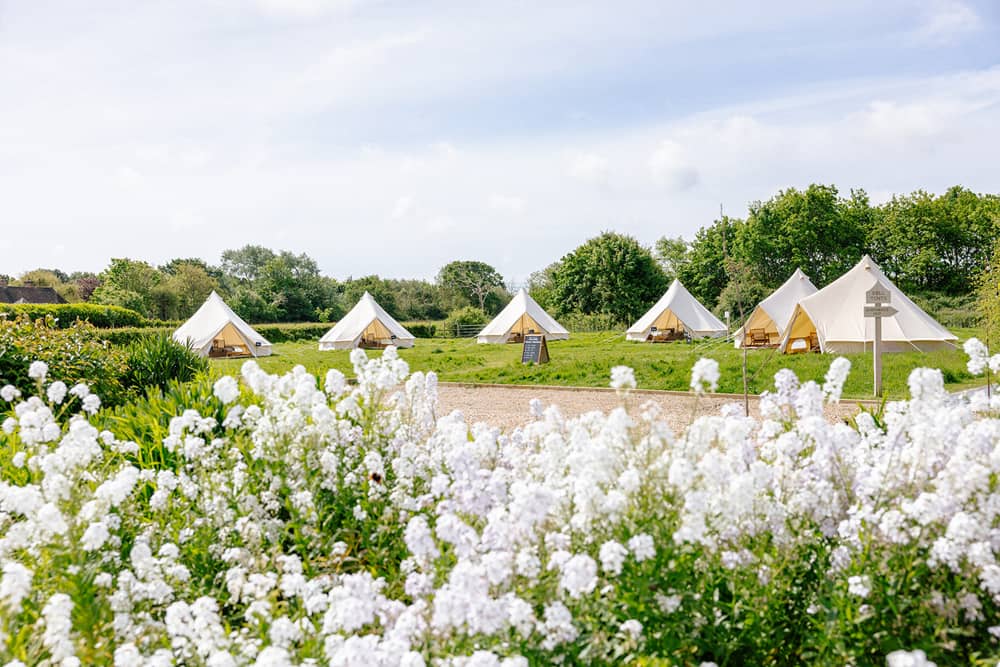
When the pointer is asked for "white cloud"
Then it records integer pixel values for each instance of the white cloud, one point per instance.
(945, 21)
(590, 168)
(305, 9)
(403, 208)
(506, 204)
(670, 168)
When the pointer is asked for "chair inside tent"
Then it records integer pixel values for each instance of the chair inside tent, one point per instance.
(801, 334)
(525, 324)
(760, 330)
(666, 327)
(376, 336)
(230, 343)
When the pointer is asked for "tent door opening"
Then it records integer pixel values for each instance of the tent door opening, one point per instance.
(525, 324)
(802, 335)
(667, 327)
(229, 344)
(376, 336)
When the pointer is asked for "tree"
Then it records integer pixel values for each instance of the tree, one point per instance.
(128, 283)
(611, 274)
(293, 285)
(704, 269)
(475, 281)
(542, 286)
(184, 290)
(988, 298)
(672, 253)
(381, 290)
(246, 264)
(806, 229)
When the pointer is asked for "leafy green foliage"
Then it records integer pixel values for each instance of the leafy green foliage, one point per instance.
(460, 321)
(611, 274)
(157, 359)
(63, 315)
(73, 354)
(477, 283)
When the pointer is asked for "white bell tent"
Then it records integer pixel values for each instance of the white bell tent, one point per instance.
(367, 325)
(521, 316)
(216, 331)
(833, 318)
(770, 318)
(676, 313)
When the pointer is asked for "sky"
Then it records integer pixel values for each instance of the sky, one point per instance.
(390, 138)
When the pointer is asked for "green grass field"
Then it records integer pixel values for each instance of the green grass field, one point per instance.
(586, 359)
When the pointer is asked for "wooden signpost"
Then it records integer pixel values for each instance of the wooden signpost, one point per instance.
(535, 349)
(877, 298)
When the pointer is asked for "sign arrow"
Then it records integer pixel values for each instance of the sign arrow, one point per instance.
(880, 311)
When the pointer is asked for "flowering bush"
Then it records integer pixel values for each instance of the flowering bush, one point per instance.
(74, 354)
(282, 520)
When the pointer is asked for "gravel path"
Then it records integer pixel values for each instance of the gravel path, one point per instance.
(507, 407)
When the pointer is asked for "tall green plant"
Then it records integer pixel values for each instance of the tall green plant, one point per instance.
(156, 360)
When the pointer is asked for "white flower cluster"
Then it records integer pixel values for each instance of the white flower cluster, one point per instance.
(325, 523)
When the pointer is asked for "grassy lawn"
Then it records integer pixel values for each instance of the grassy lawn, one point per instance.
(586, 359)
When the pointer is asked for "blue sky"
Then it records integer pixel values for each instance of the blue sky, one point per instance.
(393, 137)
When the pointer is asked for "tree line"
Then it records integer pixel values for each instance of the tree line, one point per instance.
(263, 285)
(927, 244)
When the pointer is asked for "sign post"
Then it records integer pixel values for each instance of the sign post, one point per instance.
(535, 349)
(876, 298)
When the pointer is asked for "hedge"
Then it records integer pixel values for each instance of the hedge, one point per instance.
(65, 314)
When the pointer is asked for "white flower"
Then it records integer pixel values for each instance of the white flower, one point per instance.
(9, 393)
(642, 547)
(38, 370)
(908, 659)
(612, 557)
(579, 576)
(859, 586)
(631, 628)
(91, 403)
(622, 378)
(57, 392)
(80, 390)
(977, 353)
(95, 536)
(705, 371)
(15, 584)
(835, 378)
(226, 389)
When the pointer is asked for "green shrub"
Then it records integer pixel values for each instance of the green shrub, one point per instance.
(285, 333)
(155, 359)
(65, 314)
(950, 310)
(465, 322)
(422, 330)
(74, 354)
(580, 323)
(124, 336)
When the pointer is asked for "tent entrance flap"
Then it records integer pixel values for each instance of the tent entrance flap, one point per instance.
(375, 336)
(667, 327)
(229, 342)
(801, 334)
(525, 324)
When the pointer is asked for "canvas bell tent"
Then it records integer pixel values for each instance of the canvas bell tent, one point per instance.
(770, 318)
(367, 325)
(675, 316)
(832, 319)
(216, 331)
(521, 316)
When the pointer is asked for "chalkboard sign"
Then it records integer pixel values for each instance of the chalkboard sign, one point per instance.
(535, 349)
